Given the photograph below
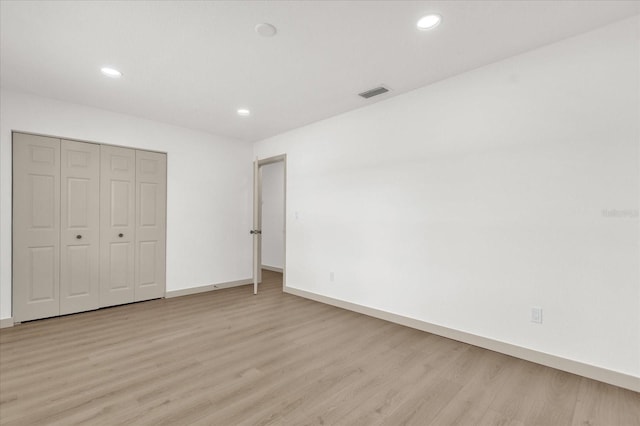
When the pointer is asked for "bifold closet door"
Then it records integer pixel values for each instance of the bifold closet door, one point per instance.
(117, 225)
(151, 202)
(36, 227)
(80, 226)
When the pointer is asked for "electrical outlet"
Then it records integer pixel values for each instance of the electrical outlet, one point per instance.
(331, 276)
(536, 315)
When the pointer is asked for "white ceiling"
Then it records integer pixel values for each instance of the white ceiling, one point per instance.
(193, 63)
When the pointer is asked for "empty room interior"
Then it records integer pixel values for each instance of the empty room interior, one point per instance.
(320, 212)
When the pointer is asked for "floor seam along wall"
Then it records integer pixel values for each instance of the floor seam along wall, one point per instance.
(612, 377)
(593, 372)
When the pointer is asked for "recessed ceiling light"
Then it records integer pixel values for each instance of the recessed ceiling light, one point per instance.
(429, 21)
(244, 112)
(110, 72)
(266, 30)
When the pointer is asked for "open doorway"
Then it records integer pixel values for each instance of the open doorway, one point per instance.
(269, 224)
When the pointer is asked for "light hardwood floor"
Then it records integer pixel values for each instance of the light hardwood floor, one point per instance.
(230, 358)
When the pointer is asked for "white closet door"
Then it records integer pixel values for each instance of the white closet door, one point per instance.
(151, 201)
(117, 225)
(36, 227)
(80, 227)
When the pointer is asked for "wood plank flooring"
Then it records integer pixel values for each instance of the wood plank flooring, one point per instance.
(230, 358)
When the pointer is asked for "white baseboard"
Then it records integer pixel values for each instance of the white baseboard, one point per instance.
(6, 322)
(205, 288)
(586, 370)
(272, 268)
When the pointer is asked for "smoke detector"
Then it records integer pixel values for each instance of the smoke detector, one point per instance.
(266, 30)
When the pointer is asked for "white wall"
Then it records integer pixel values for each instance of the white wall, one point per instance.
(209, 186)
(469, 201)
(273, 214)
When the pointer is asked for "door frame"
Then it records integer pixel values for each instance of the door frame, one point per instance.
(257, 218)
(12, 320)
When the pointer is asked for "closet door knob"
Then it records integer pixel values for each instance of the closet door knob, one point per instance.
(79, 237)
(120, 235)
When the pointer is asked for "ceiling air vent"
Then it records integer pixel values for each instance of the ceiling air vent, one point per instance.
(373, 92)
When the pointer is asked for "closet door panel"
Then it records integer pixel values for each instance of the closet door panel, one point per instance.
(80, 227)
(36, 227)
(151, 201)
(117, 225)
